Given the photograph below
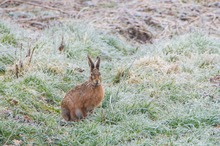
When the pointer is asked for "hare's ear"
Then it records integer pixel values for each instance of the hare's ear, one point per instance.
(97, 63)
(91, 64)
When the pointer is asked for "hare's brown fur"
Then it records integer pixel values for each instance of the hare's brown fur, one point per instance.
(82, 100)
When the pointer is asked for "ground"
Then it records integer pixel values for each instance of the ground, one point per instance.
(159, 64)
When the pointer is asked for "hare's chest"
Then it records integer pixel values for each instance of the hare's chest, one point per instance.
(93, 101)
(94, 98)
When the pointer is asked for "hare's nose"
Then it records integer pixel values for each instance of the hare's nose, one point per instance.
(97, 82)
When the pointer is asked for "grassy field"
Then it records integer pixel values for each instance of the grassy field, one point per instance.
(156, 94)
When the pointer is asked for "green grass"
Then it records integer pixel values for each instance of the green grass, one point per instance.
(159, 94)
(6, 36)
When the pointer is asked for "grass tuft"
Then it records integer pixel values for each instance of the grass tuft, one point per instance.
(8, 39)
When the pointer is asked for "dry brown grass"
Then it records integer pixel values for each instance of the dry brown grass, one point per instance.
(157, 63)
(141, 21)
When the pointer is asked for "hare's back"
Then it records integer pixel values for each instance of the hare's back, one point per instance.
(71, 97)
(73, 94)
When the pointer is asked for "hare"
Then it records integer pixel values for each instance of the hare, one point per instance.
(81, 101)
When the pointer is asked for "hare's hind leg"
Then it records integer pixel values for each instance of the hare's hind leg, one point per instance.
(65, 114)
(76, 114)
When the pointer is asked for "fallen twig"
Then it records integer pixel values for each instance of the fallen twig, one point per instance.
(39, 19)
(2, 3)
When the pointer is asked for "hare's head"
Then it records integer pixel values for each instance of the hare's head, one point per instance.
(95, 75)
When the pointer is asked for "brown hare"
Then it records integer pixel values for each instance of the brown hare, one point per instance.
(82, 100)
